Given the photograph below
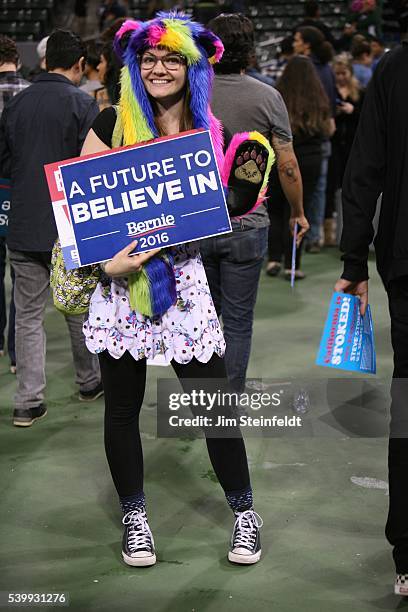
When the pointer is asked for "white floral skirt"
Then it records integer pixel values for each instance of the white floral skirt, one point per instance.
(190, 328)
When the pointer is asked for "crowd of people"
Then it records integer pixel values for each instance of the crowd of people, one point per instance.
(82, 96)
(344, 66)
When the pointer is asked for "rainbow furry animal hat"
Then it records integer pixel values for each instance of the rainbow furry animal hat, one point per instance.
(177, 32)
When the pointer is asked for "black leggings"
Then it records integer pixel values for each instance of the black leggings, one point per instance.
(124, 382)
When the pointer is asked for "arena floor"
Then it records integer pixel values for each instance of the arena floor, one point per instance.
(323, 499)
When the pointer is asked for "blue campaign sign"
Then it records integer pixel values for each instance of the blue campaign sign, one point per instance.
(163, 193)
(5, 195)
(348, 338)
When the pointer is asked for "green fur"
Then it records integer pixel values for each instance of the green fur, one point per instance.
(139, 293)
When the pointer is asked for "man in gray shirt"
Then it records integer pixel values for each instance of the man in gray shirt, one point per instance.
(233, 262)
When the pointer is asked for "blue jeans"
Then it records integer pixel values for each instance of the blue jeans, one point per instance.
(315, 215)
(3, 310)
(233, 266)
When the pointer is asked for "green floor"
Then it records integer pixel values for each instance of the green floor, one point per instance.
(323, 543)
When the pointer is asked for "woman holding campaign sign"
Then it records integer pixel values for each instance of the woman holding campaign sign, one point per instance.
(157, 305)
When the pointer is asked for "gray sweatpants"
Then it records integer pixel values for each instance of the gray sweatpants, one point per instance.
(31, 290)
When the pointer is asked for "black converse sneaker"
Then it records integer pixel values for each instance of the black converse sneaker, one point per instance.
(138, 543)
(401, 584)
(245, 540)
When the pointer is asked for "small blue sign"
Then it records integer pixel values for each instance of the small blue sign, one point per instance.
(5, 199)
(348, 338)
(161, 194)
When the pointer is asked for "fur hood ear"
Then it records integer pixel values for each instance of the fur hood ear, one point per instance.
(123, 35)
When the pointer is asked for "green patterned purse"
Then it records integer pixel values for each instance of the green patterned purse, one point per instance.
(72, 289)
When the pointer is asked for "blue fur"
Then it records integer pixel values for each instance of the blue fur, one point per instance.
(163, 285)
(138, 40)
(200, 80)
(196, 29)
(174, 14)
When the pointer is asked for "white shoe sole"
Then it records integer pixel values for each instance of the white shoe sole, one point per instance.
(28, 423)
(90, 399)
(139, 561)
(244, 559)
(401, 590)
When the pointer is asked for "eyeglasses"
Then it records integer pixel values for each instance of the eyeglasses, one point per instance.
(170, 62)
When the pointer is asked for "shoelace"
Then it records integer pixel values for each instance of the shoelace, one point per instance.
(245, 529)
(140, 537)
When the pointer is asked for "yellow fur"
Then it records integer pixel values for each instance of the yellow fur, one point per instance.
(271, 159)
(178, 38)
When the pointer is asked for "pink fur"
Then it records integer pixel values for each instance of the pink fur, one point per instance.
(219, 50)
(127, 27)
(217, 138)
(154, 35)
(237, 139)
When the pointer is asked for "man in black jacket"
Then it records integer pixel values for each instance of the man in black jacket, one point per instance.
(47, 122)
(378, 164)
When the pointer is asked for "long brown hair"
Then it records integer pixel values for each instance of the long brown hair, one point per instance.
(305, 98)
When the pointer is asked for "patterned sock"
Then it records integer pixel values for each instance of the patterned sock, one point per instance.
(239, 501)
(133, 502)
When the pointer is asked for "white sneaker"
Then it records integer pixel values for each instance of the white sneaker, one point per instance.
(138, 543)
(245, 540)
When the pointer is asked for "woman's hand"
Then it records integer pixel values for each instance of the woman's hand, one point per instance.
(123, 263)
(346, 108)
